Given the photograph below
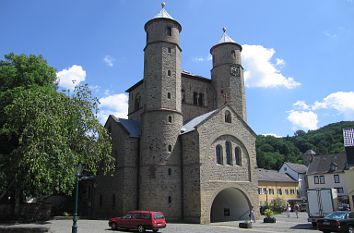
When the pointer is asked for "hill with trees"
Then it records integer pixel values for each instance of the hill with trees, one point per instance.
(272, 152)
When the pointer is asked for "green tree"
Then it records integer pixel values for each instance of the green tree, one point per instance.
(48, 132)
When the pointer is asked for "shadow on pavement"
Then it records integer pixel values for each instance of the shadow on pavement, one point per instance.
(302, 226)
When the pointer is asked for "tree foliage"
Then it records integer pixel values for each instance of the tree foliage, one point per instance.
(44, 133)
(273, 152)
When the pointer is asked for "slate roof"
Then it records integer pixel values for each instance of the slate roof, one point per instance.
(190, 126)
(131, 126)
(299, 168)
(322, 164)
(273, 176)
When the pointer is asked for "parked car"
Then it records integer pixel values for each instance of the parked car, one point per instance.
(344, 207)
(337, 221)
(140, 220)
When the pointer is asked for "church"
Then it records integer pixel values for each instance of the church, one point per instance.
(186, 148)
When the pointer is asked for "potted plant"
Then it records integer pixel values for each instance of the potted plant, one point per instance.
(269, 219)
(245, 224)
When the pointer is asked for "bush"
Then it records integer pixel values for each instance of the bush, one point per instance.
(268, 212)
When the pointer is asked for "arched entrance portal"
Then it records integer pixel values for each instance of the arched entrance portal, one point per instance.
(230, 205)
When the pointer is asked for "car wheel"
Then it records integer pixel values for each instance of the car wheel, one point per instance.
(350, 229)
(114, 226)
(156, 230)
(141, 228)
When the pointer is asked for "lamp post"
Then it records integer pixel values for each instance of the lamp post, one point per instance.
(77, 179)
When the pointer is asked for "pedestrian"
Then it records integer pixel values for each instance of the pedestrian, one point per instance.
(288, 209)
(252, 215)
(297, 207)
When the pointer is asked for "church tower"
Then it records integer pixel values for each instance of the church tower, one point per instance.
(227, 75)
(159, 163)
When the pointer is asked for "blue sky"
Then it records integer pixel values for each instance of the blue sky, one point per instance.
(298, 55)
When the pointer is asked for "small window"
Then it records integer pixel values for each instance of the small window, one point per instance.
(169, 95)
(169, 119)
(265, 191)
(219, 154)
(227, 116)
(201, 99)
(137, 102)
(147, 37)
(169, 171)
(238, 156)
(322, 180)
(195, 98)
(279, 192)
(340, 190)
(259, 191)
(169, 148)
(233, 54)
(285, 169)
(315, 179)
(286, 192)
(336, 179)
(169, 50)
(169, 72)
(228, 153)
(183, 96)
(169, 199)
(169, 31)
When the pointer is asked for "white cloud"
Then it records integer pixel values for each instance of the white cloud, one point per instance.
(71, 77)
(203, 59)
(301, 105)
(108, 59)
(342, 102)
(116, 105)
(303, 119)
(261, 72)
(330, 35)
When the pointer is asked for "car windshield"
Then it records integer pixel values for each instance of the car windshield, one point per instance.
(337, 215)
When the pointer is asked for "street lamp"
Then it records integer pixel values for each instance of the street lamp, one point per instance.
(77, 179)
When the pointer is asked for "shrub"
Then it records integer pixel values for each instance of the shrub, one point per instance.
(268, 212)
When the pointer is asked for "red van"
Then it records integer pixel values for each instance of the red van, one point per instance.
(140, 220)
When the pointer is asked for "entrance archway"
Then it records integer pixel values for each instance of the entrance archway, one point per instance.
(230, 205)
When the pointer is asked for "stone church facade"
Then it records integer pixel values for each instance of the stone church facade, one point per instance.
(186, 148)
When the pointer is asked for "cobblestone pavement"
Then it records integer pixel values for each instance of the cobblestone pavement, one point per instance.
(284, 224)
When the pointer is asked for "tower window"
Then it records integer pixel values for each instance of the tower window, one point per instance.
(233, 54)
(147, 37)
(169, 119)
(169, 148)
(137, 102)
(219, 154)
(201, 99)
(169, 199)
(227, 116)
(169, 171)
(169, 50)
(169, 72)
(169, 95)
(169, 31)
(195, 98)
(183, 95)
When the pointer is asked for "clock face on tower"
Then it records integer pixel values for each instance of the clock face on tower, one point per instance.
(235, 71)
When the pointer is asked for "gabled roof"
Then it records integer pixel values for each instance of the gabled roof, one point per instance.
(192, 124)
(273, 176)
(131, 126)
(195, 122)
(322, 164)
(299, 168)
